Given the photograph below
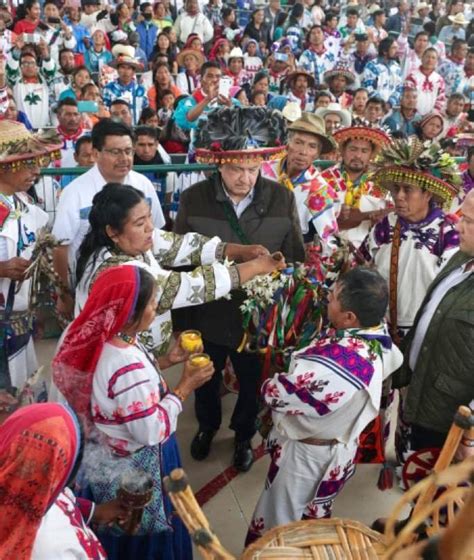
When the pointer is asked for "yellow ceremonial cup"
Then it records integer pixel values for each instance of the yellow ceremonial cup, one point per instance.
(191, 341)
(199, 360)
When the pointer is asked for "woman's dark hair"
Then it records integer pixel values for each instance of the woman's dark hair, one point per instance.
(259, 76)
(110, 207)
(280, 19)
(78, 69)
(147, 113)
(296, 13)
(384, 46)
(364, 292)
(147, 285)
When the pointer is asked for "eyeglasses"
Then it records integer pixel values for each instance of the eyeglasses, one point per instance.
(28, 63)
(116, 152)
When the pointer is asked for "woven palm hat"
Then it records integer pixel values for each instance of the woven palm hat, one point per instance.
(459, 19)
(293, 75)
(362, 131)
(240, 134)
(426, 166)
(21, 148)
(312, 124)
(341, 68)
(201, 59)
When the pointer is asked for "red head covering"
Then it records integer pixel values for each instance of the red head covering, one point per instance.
(39, 445)
(108, 308)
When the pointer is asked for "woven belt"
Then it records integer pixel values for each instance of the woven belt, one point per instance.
(18, 322)
(316, 441)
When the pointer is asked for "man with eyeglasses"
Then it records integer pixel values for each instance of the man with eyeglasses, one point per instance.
(113, 149)
(29, 78)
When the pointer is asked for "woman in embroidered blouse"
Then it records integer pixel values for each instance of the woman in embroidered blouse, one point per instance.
(121, 231)
(129, 413)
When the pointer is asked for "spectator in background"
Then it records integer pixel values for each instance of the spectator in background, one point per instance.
(454, 31)
(81, 32)
(317, 59)
(97, 54)
(429, 84)
(163, 47)
(252, 58)
(149, 117)
(398, 21)
(63, 76)
(359, 103)
(429, 127)
(28, 15)
(300, 84)
(55, 32)
(374, 111)
(332, 35)
(191, 60)
(166, 101)
(90, 92)
(236, 69)
(411, 58)
(69, 129)
(162, 81)
(126, 86)
(403, 120)
(270, 16)
(192, 21)
(146, 30)
(29, 79)
(382, 76)
(120, 112)
(452, 68)
(161, 18)
(212, 10)
(454, 117)
(359, 57)
(83, 156)
(453, 8)
(257, 30)
(294, 32)
(230, 28)
(13, 114)
(220, 52)
(148, 151)
(80, 77)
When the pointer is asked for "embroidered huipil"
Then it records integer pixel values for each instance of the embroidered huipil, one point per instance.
(19, 225)
(453, 74)
(314, 197)
(425, 247)
(317, 63)
(384, 79)
(209, 281)
(130, 401)
(332, 391)
(431, 91)
(361, 194)
(133, 93)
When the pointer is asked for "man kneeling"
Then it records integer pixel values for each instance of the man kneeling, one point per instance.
(319, 409)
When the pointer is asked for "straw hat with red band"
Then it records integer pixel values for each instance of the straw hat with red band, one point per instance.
(21, 148)
(240, 134)
(410, 162)
(200, 58)
(376, 136)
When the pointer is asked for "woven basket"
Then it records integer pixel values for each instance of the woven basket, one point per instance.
(323, 539)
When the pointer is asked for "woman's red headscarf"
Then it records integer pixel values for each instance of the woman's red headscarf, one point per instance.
(110, 305)
(39, 446)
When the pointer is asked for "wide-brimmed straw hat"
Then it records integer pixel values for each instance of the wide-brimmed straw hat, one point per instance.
(410, 162)
(21, 148)
(341, 68)
(201, 59)
(335, 108)
(312, 124)
(125, 54)
(459, 19)
(293, 75)
(240, 134)
(362, 131)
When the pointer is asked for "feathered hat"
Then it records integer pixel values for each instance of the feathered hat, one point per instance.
(21, 148)
(238, 134)
(412, 162)
(362, 130)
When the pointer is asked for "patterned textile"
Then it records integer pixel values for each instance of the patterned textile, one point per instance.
(425, 247)
(110, 305)
(104, 487)
(453, 74)
(383, 79)
(431, 91)
(134, 94)
(314, 197)
(332, 391)
(39, 446)
(317, 63)
(362, 194)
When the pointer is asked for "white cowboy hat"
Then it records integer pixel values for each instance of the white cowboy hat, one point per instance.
(335, 108)
(374, 8)
(236, 52)
(422, 6)
(292, 111)
(125, 54)
(459, 19)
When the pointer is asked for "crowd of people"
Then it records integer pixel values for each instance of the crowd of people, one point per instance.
(331, 129)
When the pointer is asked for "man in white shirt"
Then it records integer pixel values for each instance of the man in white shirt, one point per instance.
(192, 21)
(113, 146)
